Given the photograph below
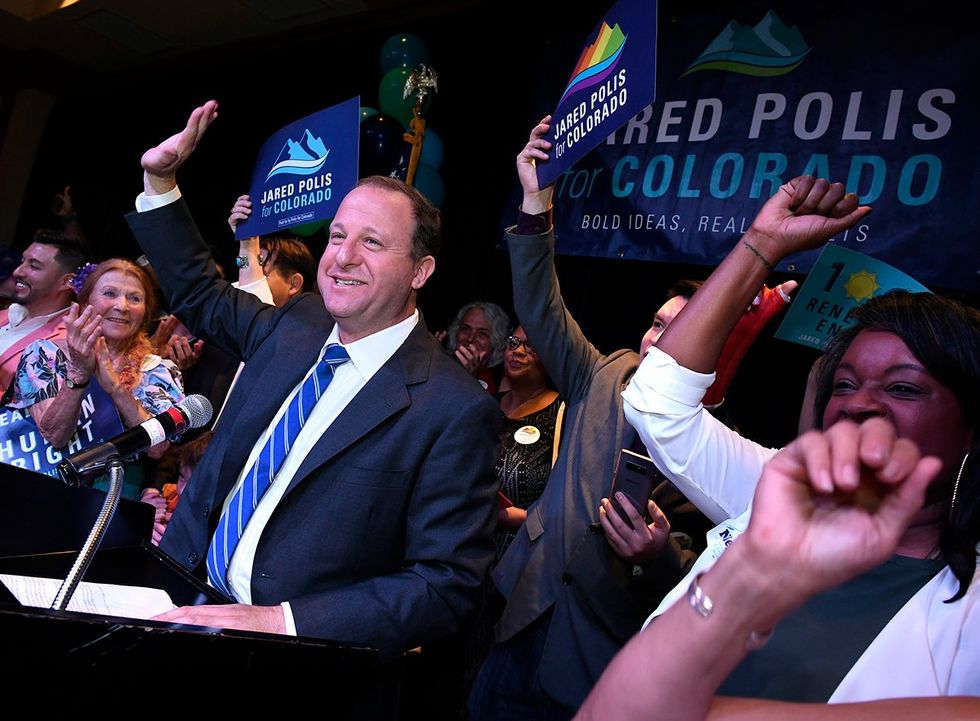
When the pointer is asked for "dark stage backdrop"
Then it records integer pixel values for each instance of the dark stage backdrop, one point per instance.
(501, 67)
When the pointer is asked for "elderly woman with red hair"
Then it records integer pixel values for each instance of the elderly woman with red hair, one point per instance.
(106, 341)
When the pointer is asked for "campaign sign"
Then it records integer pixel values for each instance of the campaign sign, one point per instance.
(614, 79)
(21, 443)
(304, 170)
(840, 281)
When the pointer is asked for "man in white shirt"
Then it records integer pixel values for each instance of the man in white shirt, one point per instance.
(375, 530)
(41, 294)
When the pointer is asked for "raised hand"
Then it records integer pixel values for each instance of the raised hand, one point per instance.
(164, 331)
(834, 504)
(105, 371)
(160, 163)
(61, 204)
(471, 357)
(803, 214)
(536, 200)
(240, 211)
(84, 329)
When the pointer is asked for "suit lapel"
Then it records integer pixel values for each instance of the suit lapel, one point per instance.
(383, 396)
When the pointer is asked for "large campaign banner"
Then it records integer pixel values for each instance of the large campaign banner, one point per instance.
(304, 170)
(880, 96)
(21, 443)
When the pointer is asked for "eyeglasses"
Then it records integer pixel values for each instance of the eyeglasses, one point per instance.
(513, 343)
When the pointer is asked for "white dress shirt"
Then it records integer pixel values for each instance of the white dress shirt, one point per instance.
(21, 324)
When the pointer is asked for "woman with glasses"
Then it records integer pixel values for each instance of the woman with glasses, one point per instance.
(528, 442)
(528, 446)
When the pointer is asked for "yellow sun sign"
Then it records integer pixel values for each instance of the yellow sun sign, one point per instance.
(861, 285)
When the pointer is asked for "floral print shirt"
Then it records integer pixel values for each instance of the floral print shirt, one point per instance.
(43, 369)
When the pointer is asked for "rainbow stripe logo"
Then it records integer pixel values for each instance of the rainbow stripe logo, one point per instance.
(598, 60)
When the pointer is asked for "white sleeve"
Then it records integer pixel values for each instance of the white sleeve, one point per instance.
(146, 202)
(715, 467)
(259, 288)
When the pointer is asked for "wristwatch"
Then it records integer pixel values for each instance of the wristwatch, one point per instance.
(75, 384)
(242, 261)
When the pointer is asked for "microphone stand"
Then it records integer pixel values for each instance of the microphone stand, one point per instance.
(116, 470)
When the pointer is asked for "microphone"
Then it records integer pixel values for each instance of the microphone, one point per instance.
(192, 412)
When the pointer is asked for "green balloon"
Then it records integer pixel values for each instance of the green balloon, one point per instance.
(367, 111)
(307, 229)
(390, 96)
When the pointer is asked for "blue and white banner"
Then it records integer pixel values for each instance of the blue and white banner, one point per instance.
(614, 78)
(21, 443)
(304, 170)
(881, 97)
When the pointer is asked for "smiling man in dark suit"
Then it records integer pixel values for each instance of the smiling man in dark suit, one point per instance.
(375, 526)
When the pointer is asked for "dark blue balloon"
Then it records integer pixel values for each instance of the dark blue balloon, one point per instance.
(381, 144)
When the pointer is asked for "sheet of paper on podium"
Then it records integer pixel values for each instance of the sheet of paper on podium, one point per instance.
(105, 599)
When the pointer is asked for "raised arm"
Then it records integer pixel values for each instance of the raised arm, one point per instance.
(161, 162)
(816, 523)
(209, 306)
(803, 214)
(564, 350)
(248, 250)
(536, 200)
(712, 465)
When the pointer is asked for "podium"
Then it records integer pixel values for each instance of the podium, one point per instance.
(43, 523)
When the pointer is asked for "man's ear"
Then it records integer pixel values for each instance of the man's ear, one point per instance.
(423, 269)
(295, 282)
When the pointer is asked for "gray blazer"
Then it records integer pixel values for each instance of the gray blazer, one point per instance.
(561, 559)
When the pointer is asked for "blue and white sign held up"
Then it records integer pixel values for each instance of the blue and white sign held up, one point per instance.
(304, 170)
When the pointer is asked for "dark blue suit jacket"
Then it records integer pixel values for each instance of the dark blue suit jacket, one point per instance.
(383, 535)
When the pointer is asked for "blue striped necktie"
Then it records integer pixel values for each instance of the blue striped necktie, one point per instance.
(267, 465)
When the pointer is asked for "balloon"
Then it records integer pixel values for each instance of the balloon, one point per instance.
(305, 230)
(381, 144)
(367, 111)
(432, 149)
(403, 50)
(390, 96)
(428, 182)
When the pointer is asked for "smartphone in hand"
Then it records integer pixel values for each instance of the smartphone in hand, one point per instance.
(635, 477)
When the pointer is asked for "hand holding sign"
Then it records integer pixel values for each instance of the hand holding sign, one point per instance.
(160, 163)
(536, 199)
(240, 211)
